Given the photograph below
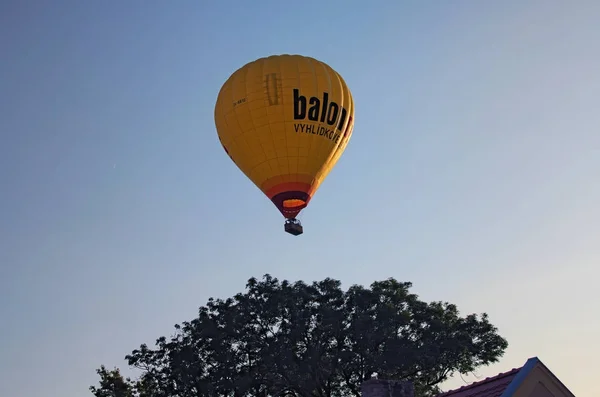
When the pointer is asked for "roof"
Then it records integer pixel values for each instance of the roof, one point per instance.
(501, 385)
(489, 387)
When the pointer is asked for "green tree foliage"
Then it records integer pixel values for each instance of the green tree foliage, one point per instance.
(112, 384)
(309, 340)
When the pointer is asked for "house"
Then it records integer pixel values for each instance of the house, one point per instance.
(533, 379)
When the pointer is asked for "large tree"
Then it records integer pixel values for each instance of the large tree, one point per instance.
(309, 340)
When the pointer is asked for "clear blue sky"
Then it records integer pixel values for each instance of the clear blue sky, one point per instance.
(473, 172)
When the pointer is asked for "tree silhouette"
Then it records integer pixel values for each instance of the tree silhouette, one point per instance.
(281, 338)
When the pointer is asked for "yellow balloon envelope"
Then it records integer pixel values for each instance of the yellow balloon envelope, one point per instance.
(285, 120)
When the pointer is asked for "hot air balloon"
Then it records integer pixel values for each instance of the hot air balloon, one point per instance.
(285, 120)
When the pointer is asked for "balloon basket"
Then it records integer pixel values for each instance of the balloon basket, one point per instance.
(293, 226)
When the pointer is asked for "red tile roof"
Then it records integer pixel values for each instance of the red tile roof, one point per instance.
(489, 387)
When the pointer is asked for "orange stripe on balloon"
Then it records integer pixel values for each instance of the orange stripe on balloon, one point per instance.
(287, 182)
(289, 187)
